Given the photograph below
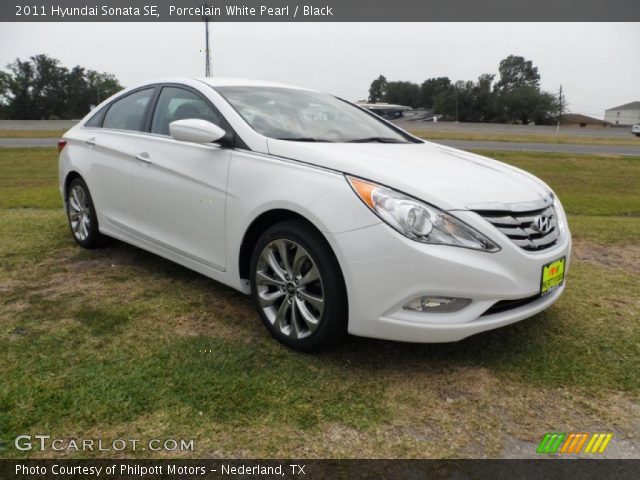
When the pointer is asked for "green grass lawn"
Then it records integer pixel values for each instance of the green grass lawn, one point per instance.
(119, 343)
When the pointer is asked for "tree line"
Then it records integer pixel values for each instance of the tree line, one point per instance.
(40, 88)
(513, 97)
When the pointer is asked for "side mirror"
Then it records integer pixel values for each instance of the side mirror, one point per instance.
(195, 130)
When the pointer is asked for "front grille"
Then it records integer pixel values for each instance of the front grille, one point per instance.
(521, 228)
(505, 305)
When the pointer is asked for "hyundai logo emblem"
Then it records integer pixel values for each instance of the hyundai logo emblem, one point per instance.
(542, 224)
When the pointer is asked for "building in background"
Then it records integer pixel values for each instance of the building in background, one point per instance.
(624, 115)
(579, 120)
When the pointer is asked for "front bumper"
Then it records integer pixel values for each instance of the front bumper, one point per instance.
(383, 270)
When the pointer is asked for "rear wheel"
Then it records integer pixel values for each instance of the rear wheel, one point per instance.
(82, 215)
(298, 288)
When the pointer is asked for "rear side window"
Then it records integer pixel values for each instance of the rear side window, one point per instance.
(96, 120)
(179, 104)
(128, 112)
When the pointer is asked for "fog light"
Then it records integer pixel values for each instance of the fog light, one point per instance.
(437, 304)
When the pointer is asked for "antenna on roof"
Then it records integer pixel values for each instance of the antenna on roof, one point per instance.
(207, 51)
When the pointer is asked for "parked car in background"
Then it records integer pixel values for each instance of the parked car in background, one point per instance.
(636, 130)
(332, 218)
(386, 110)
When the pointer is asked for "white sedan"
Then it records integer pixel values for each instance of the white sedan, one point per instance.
(333, 219)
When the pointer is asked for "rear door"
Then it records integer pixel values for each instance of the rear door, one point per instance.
(110, 142)
(179, 188)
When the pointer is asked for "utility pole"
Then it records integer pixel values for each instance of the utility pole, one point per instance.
(560, 101)
(207, 51)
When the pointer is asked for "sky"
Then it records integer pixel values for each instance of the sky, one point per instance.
(597, 64)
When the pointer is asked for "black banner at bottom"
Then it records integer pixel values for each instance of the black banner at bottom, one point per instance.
(313, 469)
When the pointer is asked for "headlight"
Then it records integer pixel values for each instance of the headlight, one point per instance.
(562, 218)
(417, 220)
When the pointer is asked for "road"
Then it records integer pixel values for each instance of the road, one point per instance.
(28, 142)
(463, 144)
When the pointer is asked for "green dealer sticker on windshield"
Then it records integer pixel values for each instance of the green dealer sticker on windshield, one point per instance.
(552, 276)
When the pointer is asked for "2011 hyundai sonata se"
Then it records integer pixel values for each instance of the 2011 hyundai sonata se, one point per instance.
(333, 219)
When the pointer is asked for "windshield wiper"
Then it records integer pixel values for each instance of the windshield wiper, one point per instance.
(357, 140)
(376, 139)
(304, 139)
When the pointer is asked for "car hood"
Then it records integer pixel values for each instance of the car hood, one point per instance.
(445, 177)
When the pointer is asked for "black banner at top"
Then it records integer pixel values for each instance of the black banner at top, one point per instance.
(319, 10)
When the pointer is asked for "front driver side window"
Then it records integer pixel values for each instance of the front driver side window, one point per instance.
(179, 104)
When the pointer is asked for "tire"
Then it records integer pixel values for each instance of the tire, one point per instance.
(81, 214)
(302, 312)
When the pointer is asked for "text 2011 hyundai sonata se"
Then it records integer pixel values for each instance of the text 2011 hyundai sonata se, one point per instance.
(333, 219)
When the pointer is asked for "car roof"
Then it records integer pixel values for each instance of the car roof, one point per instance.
(244, 82)
(220, 82)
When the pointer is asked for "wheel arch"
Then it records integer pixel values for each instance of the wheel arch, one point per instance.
(259, 225)
(70, 177)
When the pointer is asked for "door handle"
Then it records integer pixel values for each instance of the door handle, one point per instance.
(143, 157)
(90, 141)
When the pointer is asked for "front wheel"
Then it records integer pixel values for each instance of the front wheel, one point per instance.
(298, 288)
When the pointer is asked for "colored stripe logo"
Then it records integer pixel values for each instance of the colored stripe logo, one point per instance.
(556, 442)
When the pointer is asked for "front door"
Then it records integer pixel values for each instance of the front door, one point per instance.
(179, 188)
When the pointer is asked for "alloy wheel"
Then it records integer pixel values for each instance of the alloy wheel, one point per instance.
(289, 288)
(79, 212)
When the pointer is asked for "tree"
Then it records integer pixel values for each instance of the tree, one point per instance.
(527, 104)
(101, 85)
(431, 89)
(462, 101)
(4, 91)
(77, 92)
(19, 90)
(515, 98)
(458, 102)
(518, 104)
(484, 99)
(403, 93)
(516, 72)
(546, 109)
(378, 90)
(40, 88)
(444, 103)
(49, 95)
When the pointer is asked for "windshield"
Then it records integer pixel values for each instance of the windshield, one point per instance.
(300, 115)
